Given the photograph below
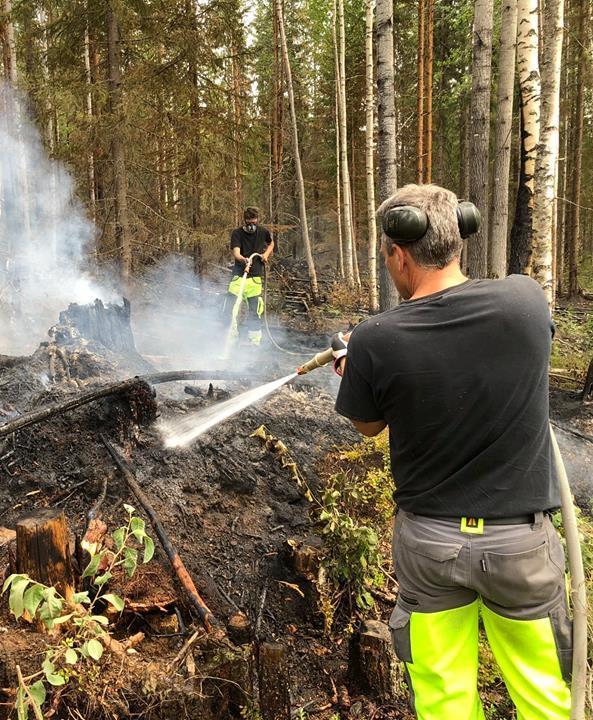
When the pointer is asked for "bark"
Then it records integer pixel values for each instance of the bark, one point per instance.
(477, 247)
(237, 122)
(276, 134)
(428, 66)
(195, 155)
(497, 259)
(89, 113)
(274, 686)
(548, 147)
(369, 164)
(346, 193)
(297, 159)
(562, 214)
(574, 237)
(10, 64)
(339, 192)
(529, 85)
(421, 91)
(386, 139)
(120, 177)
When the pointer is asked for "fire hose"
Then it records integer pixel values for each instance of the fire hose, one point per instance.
(578, 595)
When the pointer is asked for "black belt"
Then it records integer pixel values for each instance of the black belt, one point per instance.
(515, 520)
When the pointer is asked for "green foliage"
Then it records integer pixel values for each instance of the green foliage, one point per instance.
(572, 348)
(354, 517)
(85, 635)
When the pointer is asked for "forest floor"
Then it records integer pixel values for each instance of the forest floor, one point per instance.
(234, 507)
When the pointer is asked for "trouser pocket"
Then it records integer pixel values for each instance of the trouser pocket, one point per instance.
(399, 625)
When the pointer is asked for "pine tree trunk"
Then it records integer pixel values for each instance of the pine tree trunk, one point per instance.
(529, 85)
(420, 91)
(195, 173)
(297, 159)
(120, 177)
(89, 113)
(497, 258)
(562, 214)
(386, 139)
(428, 66)
(346, 192)
(237, 122)
(354, 210)
(477, 247)
(339, 188)
(574, 238)
(276, 125)
(548, 147)
(369, 158)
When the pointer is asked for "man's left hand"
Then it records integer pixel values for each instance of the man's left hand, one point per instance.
(339, 345)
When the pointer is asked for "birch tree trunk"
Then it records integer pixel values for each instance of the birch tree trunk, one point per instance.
(346, 193)
(297, 159)
(10, 66)
(548, 148)
(477, 247)
(339, 186)
(386, 139)
(370, 165)
(574, 237)
(497, 258)
(529, 85)
(120, 177)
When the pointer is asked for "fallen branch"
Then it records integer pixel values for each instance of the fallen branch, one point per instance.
(180, 570)
(49, 411)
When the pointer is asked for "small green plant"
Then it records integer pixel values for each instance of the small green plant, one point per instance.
(86, 635)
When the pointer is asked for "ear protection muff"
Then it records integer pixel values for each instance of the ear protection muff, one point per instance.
(406, 224)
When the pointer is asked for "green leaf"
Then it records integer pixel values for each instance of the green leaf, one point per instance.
(56, 679)
(71, 656)
(130, 561)
(119, 537)
(10, 579)
(31, 599)
(138, 528)
(62, 619)
(148, 549)
(101, 619)
(129, 509)
(116, 601)
(81, 597)
(95, 649)
(38, 693)
(47, 665)
(93, 566)
(102, 579)
(84, 650)
(16, 601)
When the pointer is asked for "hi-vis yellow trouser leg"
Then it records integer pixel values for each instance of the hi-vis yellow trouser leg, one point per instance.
(514, 575)
(249, 290)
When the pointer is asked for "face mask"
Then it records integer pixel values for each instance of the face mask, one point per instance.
(250, 228)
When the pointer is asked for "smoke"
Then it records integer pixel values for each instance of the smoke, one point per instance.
(44, 234)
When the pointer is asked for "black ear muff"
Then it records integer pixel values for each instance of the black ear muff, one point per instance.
(469, 219)
(404, 223)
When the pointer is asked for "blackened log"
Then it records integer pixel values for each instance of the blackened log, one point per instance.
(180, 570)
(274, 686)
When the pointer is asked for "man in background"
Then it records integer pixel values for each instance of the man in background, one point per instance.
(246, 240)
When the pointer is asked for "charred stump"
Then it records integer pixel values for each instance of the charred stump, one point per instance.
(588, 386)
(274, 686)
(373, 665)
(107, 324)
(43, 550)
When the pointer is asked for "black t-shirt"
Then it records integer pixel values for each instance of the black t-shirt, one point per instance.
(250, 243)
(461, 378)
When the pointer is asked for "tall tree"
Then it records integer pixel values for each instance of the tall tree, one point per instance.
(529, 86)
(297, 158)
(277, 121)
(10, 65)
(420, 150)
(546, 164)
(428, 73)
(386, 139)
(477, 248)
(120, 175)
(499, 213)
(346, 191)
(370, 166)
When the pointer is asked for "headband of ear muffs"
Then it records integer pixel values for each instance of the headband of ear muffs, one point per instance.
(406, 224)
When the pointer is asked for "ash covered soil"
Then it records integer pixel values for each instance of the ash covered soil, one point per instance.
(229, 504)
(227, 501)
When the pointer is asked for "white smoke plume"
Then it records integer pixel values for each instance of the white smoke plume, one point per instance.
(45, 237)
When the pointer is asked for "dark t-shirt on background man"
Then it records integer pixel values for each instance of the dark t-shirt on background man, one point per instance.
(461, 378)
(250, 243)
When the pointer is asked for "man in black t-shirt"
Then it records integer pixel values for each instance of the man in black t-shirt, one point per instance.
(458, 372)
(245, 241)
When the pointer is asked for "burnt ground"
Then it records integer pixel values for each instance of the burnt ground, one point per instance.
(229, 506)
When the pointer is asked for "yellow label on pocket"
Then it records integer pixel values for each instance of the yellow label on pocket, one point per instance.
(473, 526)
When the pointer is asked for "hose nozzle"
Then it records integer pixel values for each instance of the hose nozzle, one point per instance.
(319, 360)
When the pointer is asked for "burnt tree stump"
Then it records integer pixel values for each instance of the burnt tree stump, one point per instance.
(107, 324)
(43, 550)
(274, 687)
(373, 665)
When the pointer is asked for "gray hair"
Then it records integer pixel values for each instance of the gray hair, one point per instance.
(442, 243)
